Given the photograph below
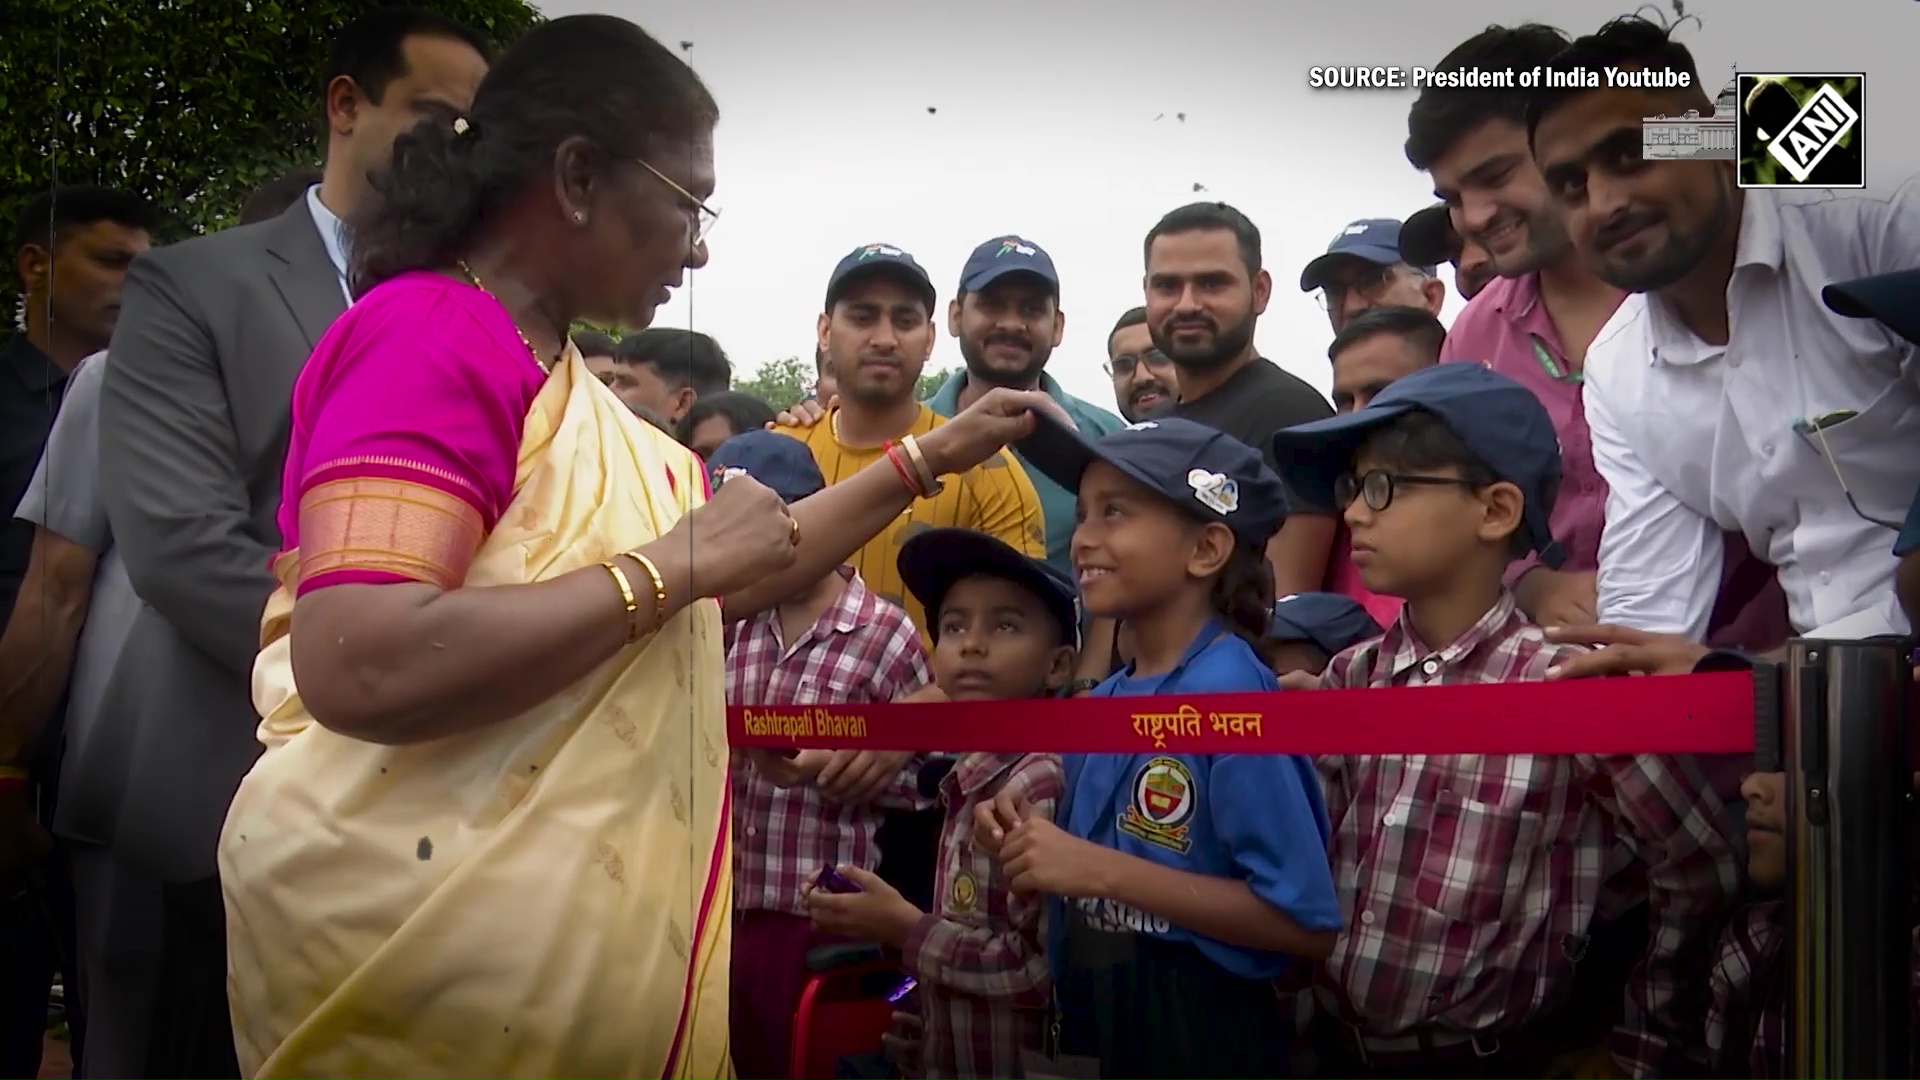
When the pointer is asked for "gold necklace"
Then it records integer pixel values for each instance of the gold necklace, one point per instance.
(524, 339)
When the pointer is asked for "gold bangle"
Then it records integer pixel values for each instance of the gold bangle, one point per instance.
(626, 597)
(929, 483)
(659, 588)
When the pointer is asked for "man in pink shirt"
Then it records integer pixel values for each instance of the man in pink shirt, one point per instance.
(1533, 322)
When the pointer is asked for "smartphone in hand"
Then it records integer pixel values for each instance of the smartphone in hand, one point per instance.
(830, 880)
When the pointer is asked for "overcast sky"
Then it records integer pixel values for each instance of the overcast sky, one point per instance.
(1045, 127)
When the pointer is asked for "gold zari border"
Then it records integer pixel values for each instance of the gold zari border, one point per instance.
(388, 526)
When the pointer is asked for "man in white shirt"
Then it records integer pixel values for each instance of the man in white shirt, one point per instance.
(1724, 393)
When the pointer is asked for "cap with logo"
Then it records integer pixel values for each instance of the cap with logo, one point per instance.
(1496, 419)
(932, 562)
(1374, 240)
(1427, 238)
(1329, 622)
(996, 259)
(1893, 299)
(781, 462)
(1209, 474)
(879, 260)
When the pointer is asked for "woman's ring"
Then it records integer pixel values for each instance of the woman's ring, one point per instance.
(793, 531)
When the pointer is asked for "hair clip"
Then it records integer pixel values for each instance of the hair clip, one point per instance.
(460, 125)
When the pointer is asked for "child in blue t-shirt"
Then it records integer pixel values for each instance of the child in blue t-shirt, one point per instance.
(1189, 882)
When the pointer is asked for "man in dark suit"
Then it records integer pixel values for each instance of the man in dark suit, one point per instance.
(194, 414)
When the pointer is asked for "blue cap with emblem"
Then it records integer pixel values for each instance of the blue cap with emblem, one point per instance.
(996, 259)
(1373, 240)
(781, 462)
(1207, 473)
(1329, 621)
(1499, 421)
(932, 562)
(879, 260)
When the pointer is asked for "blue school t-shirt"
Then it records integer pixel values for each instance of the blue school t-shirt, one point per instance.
(1256, 817)
(1909, 539)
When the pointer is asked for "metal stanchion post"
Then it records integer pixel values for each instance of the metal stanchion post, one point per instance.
(1844, 737)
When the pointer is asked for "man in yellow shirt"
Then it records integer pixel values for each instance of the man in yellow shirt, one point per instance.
(876, 332)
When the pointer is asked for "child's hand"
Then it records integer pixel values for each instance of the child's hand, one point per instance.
(1299, 680)
(1622, 650)
(855, 776)
(1041, 857)
(993, 820)
(876, 913)
(786, 772)
(902, 1043)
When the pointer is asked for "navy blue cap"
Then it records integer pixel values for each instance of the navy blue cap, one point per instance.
(1328, 621)
(1894, 299)
(995, 259)
(1376, 240)
(781, 462)
(870, 259)
(1427, 238)
(1498, 420)
(1207, 473)
(932, 561)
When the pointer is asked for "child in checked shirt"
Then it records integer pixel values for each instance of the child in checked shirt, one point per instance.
(834, 644)
(1470, 882)
(1004, 628)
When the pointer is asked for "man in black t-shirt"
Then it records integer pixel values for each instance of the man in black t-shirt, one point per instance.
(1205, 292)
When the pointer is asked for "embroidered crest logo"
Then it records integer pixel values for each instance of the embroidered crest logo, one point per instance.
(874, 250)
(1164, 800)
(1012, 245)
(963, 895)
(1144, 425)
(1215, 491)
(724, 474)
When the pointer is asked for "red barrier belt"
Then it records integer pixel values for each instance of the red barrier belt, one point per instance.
(1683, 714)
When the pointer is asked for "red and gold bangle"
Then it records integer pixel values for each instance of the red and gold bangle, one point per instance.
(905, 471)
(929, 480)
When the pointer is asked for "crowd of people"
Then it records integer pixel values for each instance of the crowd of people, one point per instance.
(369, 626)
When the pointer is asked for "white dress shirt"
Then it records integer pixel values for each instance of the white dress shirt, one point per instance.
(1694, 438)
(333, 234)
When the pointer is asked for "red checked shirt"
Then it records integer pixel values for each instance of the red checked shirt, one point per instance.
(980, 955)
(1747, 1017)
(1471, 881)
(860, 649)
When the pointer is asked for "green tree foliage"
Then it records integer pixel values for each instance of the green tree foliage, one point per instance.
(782, 382)
(192, 103)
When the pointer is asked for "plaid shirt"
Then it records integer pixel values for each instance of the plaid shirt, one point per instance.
(1471, 881)
(980, 955)
(860, 649)
(1747, 1017)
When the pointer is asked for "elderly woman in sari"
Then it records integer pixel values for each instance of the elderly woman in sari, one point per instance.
(488, 835)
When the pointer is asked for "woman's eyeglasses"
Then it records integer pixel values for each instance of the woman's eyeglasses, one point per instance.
(1123, 367)
(704, 217)
(1376, 487)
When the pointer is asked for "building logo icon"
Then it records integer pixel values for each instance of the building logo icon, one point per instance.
(1800, 130)
(1691, 136)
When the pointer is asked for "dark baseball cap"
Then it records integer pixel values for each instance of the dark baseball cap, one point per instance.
(781, 462)
(1209, 474)
(870, 260)
(1498, 420)
(1329, 622)
(1375, 240)
(1893, 299)
(996, 259)
(1427, 238)
(931, 563)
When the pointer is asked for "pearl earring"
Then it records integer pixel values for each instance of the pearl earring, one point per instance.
(579, 217)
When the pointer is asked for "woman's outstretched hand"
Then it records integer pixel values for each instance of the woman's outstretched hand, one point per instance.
(976, 433)
(742, 535)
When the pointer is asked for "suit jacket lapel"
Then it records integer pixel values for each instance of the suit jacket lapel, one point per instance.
(303, 273)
